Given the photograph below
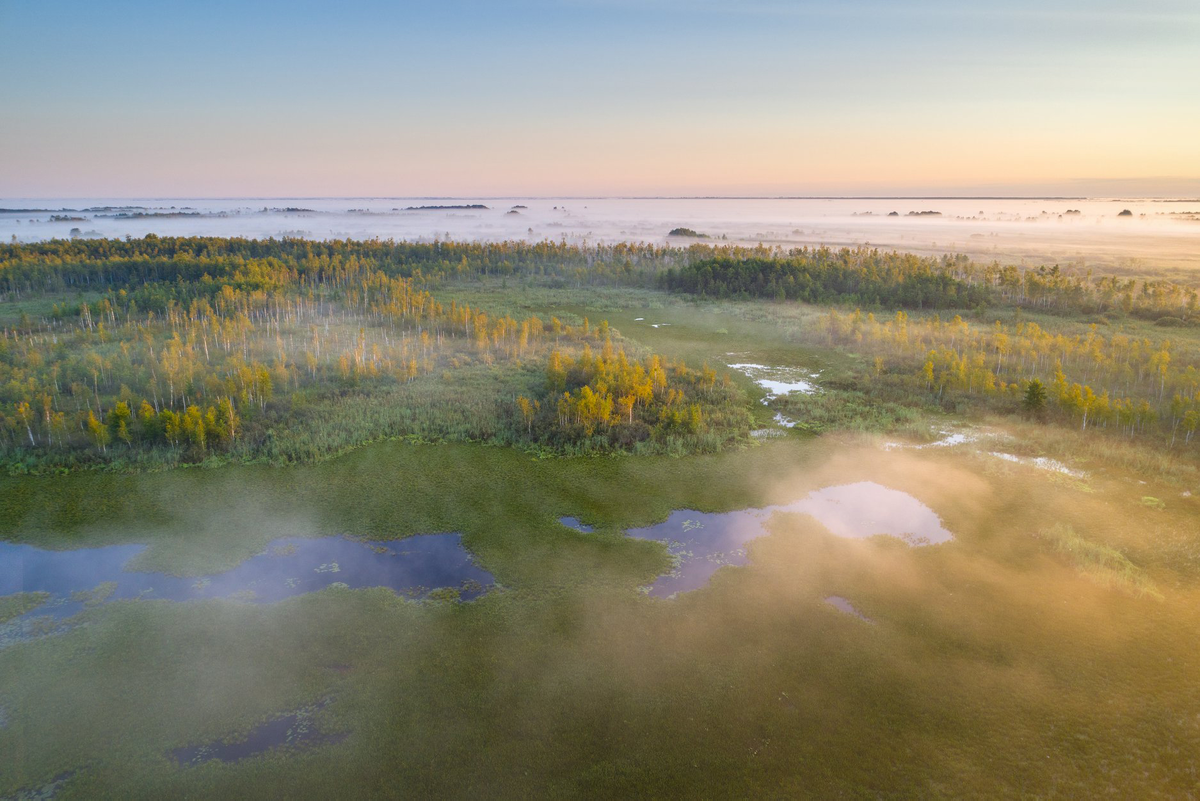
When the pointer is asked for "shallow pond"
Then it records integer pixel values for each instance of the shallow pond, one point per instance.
(948, 439)
(843, 605)
(1041, 463)
(778, 380)
(575, 523)
(292, 566)
(295, 731)
(701, 543)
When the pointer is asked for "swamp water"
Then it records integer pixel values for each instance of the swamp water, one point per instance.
(77, 579)
(777, 381)
(296, 730)
(701, 542)
(843, 605)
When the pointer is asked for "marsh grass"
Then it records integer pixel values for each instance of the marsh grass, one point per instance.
(1101, 563)
(13, 606)
(992, 670)
(986, 658)
(980, 677)
(837, 409)
(95, 596)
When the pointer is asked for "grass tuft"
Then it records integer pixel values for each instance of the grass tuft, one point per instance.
(1101, 563)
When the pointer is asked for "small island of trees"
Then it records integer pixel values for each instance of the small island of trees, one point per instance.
(467, 207)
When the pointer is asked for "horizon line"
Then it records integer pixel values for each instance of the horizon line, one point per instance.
(1109, 198)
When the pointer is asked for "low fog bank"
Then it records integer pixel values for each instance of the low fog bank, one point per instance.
(1155, 236)
(974, 644)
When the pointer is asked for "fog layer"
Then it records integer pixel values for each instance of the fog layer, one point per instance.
(1155, 236)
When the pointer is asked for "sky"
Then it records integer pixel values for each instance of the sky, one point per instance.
(165, 98)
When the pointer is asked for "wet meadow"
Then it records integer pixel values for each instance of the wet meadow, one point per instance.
(875, 601)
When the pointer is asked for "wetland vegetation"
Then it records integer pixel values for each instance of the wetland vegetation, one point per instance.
(636, 575)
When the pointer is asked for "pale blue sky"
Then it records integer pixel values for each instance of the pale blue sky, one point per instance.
(602, 96)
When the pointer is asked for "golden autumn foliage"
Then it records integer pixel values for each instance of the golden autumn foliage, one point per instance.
(609, 396)
(1122, 382)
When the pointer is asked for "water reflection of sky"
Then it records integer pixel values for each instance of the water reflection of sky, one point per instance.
(843, 605)
(700, 543)
(291, 566)
(778, 380)
(576, 523)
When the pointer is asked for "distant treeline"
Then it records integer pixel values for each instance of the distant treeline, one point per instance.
(870, 278)
(101, 264)
(475, 206)
(860, 277)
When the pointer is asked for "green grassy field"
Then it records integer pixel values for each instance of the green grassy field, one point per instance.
(1044, 651)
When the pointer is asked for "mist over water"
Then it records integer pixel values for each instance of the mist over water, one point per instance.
(293, 566)
(701, 543)
(1083, 232)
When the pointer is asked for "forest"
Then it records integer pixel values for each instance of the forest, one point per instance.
(160, 351)
(883, 280)
(204, 355)
(859, 276)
